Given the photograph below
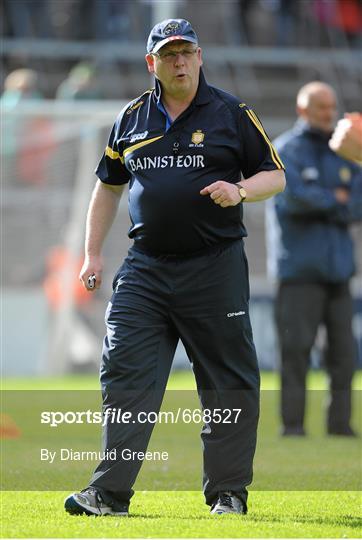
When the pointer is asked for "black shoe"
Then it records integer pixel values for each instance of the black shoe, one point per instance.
(293, 432)
(342, 432)
(228, 503)
(89, 501)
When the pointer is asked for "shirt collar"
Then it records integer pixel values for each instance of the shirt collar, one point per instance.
(203, 94)
(301, 126)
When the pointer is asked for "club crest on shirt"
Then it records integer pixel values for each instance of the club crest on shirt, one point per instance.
(345, 174)
(197, 138)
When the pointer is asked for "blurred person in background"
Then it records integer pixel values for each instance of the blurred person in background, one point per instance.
(28, 18)
(81, 84)
(181, 147)
(286, 23)
(347, 137)
(21, 84)
(27, 145)
(71, 19)
(246, 27)
(310, 252)
(339, 21)
(111, 20)
(348, 22)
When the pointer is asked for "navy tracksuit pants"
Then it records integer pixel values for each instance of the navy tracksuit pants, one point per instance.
(300, 309)
(203, 300)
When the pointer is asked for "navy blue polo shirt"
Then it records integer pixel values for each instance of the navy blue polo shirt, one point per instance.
(167, 164)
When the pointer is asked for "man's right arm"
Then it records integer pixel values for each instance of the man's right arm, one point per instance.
(310, 200)
(101, 213)
(307, 198)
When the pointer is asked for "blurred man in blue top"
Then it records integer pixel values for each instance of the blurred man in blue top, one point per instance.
(181, 147)
(310, 252)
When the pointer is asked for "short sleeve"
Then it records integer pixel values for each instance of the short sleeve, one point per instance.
(258, 153)
(111, 168)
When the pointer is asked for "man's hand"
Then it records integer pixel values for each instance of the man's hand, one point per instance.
(91, 266)
(347, 137)
(223, 193)
(342, 195)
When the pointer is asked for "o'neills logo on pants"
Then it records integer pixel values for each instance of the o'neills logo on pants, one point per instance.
(161, 162)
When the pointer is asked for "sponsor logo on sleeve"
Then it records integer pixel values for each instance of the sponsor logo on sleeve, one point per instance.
(138, 137)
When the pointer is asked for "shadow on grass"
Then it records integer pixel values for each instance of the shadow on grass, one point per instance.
(352, 522)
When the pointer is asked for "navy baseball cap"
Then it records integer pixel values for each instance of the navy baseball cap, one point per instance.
(170, 30)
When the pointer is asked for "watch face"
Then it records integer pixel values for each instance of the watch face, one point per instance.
(242, 193)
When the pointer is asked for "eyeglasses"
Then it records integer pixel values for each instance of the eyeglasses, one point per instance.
(170, 56)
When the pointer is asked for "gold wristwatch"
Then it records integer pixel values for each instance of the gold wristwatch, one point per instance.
(242, 192)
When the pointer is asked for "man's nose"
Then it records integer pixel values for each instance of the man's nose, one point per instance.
(179, 59)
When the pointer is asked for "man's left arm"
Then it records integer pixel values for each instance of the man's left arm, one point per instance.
(351, 210)
(258, 187)
(262, 168)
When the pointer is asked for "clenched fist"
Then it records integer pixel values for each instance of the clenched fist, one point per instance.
(223, 193)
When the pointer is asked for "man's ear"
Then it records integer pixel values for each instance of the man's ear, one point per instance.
(150, 61)
(301, 111)
(199, 55)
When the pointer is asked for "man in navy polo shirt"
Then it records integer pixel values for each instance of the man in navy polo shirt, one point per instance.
(182, 148)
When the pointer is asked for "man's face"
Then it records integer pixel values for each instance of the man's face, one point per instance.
(321, 110)
(177, 66)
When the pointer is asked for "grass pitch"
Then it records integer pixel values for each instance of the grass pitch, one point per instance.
(182, 514)
(168, 514)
